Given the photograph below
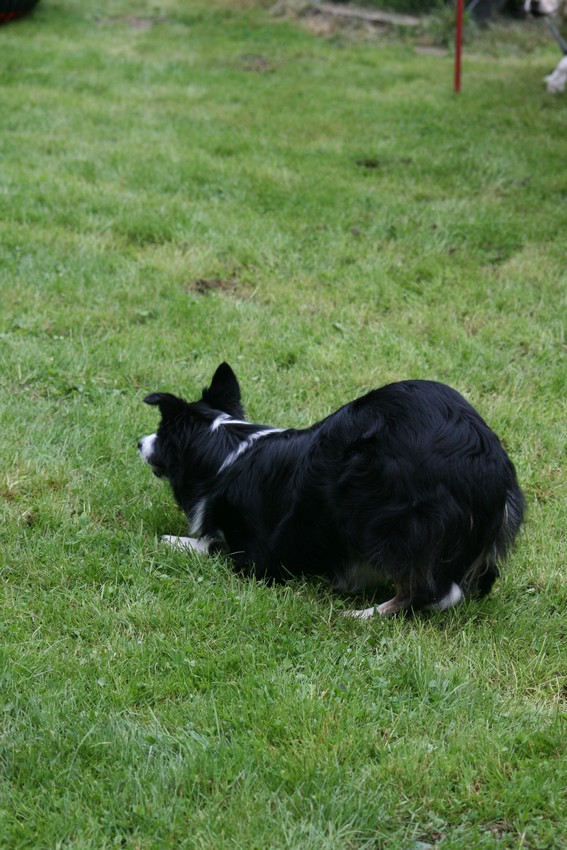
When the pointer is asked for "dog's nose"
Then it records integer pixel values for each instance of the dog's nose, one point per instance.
(139, 445)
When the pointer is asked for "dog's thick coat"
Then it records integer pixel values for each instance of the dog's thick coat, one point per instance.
(406, 484)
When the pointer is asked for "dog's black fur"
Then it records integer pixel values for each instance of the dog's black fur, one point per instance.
(406, 484)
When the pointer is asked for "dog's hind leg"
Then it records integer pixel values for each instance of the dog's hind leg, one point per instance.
(452, 597)
(401, 602)
(190, 544)
(385, 609)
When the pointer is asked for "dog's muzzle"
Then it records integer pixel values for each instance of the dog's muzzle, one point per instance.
(149, 453)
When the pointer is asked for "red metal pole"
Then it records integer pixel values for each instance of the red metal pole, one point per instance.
(458, 44)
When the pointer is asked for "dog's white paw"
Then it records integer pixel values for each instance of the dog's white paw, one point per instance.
(190, 544)
(452, 597)
(557, 80)
(365, 614)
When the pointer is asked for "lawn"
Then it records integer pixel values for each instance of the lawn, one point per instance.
(189, 182)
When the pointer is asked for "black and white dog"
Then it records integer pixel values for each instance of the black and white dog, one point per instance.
(407, 484)
(555, 13)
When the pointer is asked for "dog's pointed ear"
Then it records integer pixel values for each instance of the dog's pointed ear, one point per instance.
(224, 392)
(169, 405)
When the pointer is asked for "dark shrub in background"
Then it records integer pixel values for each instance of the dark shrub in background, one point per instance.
(10, 10)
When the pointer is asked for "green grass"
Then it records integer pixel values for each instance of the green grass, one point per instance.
(327, 216)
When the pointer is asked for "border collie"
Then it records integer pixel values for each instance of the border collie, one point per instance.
(406, 484)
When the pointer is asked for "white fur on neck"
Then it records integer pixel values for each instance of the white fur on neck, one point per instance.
(226, 419)
(196, 518)
(247, 444)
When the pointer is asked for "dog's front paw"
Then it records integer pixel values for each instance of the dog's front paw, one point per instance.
(190, 544)
(365, 614)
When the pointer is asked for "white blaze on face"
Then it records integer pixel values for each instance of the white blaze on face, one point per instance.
(146, 447)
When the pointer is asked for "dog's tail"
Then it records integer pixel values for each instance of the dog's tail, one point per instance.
(483, 571)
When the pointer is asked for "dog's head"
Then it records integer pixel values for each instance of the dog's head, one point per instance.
(183, 450)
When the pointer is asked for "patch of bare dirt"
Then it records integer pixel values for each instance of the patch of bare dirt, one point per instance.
(257, 64)
(373, 164)
(136, 23)
(204, 286)
(430, 50)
